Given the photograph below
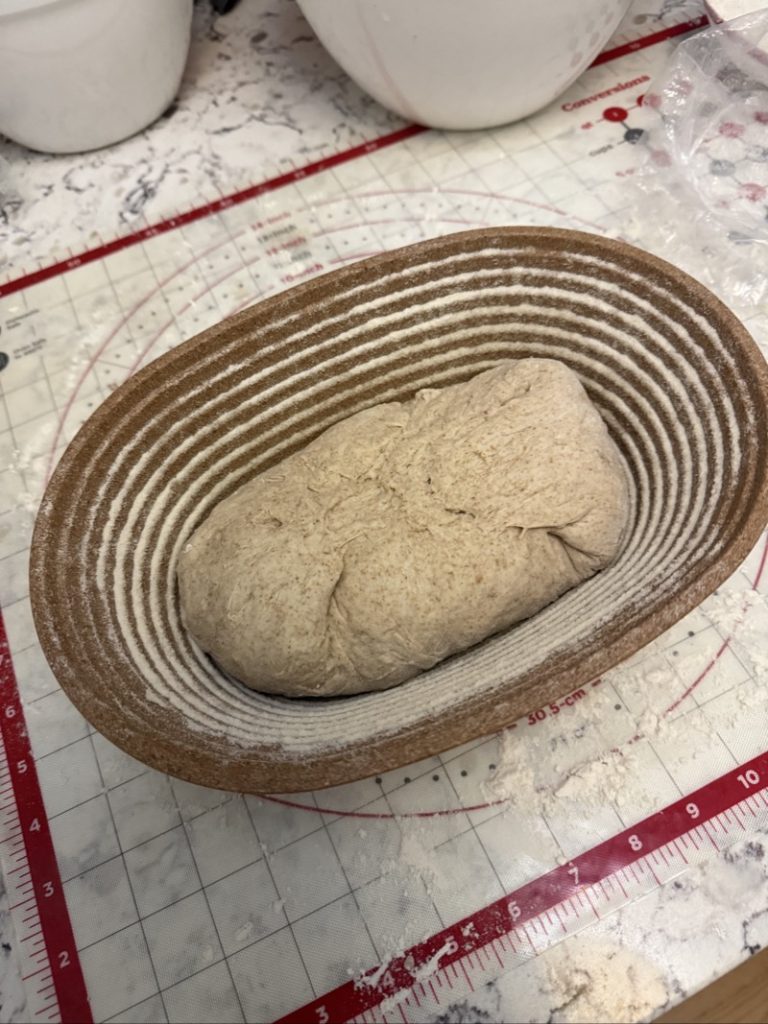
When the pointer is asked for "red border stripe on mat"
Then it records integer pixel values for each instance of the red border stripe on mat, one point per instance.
(651, 40)
(290, 177)
(199, 212)
(67, 974)
(534, 899)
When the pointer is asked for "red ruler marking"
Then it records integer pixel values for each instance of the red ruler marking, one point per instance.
(651, 40)
(538, 896)
(291, 177)
(46, 888)
(199, 212)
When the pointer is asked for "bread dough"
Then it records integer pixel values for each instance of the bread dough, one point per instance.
(406, 533)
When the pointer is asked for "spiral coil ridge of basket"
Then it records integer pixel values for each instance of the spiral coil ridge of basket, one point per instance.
(677, 379)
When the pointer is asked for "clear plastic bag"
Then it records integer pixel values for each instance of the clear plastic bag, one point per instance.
(703, 191)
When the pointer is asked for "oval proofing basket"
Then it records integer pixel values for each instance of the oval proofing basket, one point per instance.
(678, 380)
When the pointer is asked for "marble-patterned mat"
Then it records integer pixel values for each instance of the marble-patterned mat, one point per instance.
(259, 97)
(13, 999)
(171, 921)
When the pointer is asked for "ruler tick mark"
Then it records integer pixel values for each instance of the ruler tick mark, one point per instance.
(594, 908)
(469, 980)
(26, 977)
(21, 903)
(681, 851)
(709, 837)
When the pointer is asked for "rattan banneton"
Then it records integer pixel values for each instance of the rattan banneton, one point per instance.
(682, 386)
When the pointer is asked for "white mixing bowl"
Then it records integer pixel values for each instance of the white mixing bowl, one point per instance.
(80, 74)
(464, 63)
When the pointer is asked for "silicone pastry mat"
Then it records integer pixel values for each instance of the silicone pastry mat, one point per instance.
(165, 901)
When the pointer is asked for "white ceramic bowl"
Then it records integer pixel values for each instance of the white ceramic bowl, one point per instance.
(80, 74)
(464, 63)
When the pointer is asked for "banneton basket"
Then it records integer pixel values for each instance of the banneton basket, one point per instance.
(678, 380)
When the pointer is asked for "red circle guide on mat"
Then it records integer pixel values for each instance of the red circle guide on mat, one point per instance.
(510, 913)
(58, 982)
